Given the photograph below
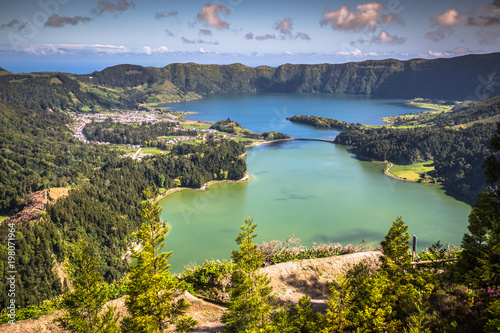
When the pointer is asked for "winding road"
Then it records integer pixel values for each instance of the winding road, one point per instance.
(136, 153)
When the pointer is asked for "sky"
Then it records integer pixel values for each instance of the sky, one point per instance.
(84, 36)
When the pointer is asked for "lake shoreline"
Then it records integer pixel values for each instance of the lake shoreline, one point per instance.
(205, 186)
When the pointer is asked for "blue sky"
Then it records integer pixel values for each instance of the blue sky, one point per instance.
(83, 36)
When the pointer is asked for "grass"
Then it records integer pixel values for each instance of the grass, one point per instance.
(207, 126)
(153, 151)
(3, 218)
(439, 108)
(412, 171)
(246, 139)
(124, 148)
(420, 119)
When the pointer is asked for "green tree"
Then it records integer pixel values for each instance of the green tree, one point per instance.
(152, 300)
(493, 324)
(396, 248)
(386, 300)
(480, 262)
(406, 286)
(89, 296)
(250, 304)
(340, 305)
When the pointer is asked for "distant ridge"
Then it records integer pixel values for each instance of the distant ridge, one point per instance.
(445, 78)
(472, 77)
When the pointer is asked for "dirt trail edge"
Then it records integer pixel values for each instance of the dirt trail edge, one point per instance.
(290, 281)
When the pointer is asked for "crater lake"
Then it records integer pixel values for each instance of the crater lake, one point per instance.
(316, 191)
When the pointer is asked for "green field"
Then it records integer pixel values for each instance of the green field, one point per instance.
(3, 218)
(196, 126)
(439, 108)
(85, 108)
(153, 151)
(124, 148)
(420, 119)
(412, 171)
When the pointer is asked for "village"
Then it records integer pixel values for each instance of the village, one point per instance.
(151, 117)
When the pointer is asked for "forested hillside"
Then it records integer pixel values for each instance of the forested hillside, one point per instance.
(456, 141)
(37, 151)
(57, 91)
(455, 78)
(133, 86)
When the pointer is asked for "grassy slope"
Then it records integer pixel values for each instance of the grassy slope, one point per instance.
(412, 172)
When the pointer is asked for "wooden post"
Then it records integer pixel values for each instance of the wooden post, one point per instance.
(414, 248)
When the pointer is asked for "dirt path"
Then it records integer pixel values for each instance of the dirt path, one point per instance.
(290, 281)
(387, 172)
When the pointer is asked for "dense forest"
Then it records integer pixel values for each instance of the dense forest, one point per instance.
(322, 122)
(457, 153)
(131, 86)
(38, 152)
(58, 91)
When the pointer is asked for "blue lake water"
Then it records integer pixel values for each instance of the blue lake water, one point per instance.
(314, 190)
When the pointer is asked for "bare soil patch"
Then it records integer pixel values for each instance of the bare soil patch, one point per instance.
(290, 281)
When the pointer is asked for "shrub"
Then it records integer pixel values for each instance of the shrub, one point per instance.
(211, 280)
(276, 252)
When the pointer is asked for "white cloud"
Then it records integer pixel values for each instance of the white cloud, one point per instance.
(385, 38)
(150, 51)
(450, 18)
(357, 53)
(364, 17)
(83, 49)
(449, 53)
(209, 15)
(44, 49)
(285, 26)
(483, 16)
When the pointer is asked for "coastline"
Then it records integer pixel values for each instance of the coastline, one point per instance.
(127, 254)
(388, 173)
(260, 143)
(205, 186)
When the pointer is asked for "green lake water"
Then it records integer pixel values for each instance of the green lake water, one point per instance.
(314, 190)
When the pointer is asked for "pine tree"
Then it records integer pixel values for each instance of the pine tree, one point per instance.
(480, 262)
(340, 306)
(152, 301)
(405, 285)
(86, 302)
(250, 304)
(396, 248)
